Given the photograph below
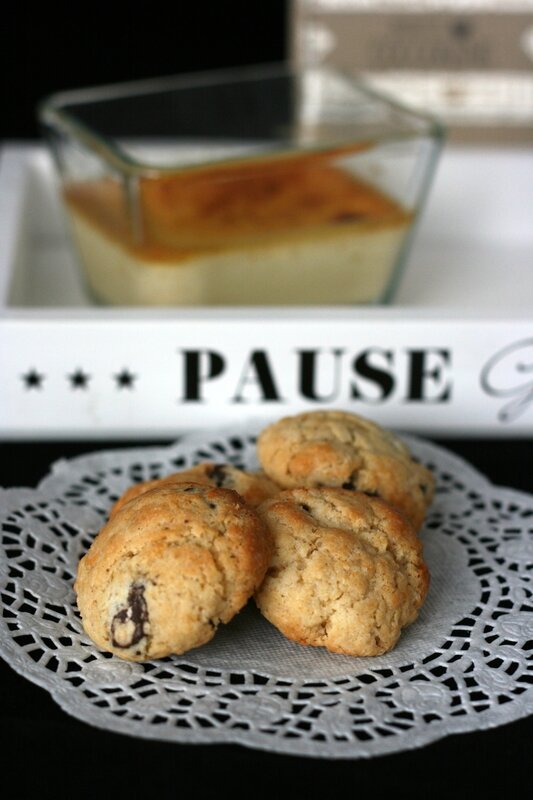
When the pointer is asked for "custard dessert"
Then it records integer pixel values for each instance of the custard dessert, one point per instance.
(294, 230)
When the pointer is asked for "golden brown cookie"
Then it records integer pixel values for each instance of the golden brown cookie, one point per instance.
(254, 487)
(168, 568)
(336, 448)
(347, 571)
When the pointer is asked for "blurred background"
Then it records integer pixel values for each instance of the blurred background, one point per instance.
(471, 60)
(468, 61)
(49, 49)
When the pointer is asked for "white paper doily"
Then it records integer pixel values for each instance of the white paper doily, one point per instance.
(463, 665)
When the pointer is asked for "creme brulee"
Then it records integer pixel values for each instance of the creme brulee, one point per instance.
(287, 231)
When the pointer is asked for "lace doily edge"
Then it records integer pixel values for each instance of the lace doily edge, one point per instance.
(404, 742)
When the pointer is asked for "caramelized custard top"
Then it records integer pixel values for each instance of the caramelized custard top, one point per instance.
(228, 206)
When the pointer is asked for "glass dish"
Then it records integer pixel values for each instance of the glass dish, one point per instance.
(254, 186)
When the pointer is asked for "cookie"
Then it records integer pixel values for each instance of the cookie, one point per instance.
(254, 487)
(347, 572)
(336, 448)
(168, 568)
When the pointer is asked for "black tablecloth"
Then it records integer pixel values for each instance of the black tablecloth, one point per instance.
(49, 754)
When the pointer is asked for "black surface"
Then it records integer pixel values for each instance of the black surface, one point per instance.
(53, 755)
(51, 47)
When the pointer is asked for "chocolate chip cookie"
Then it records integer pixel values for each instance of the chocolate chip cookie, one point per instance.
(168, 568)
(336, 448)
(347, 572)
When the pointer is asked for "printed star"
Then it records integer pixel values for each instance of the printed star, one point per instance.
(125, 379)
(33, 379)
(79, 379)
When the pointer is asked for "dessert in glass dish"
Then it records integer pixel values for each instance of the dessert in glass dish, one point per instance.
(257, 186)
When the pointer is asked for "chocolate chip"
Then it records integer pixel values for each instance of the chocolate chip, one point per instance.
(305, 507)
(423, 487)
(128, 626)
(347, 485)
(218, 475)
(371, 494)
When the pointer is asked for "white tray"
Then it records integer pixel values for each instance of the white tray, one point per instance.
(453, 354)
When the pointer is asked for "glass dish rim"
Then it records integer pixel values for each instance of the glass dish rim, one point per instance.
(52, 114)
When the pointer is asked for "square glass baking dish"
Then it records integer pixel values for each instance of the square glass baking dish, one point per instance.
(254, 186)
